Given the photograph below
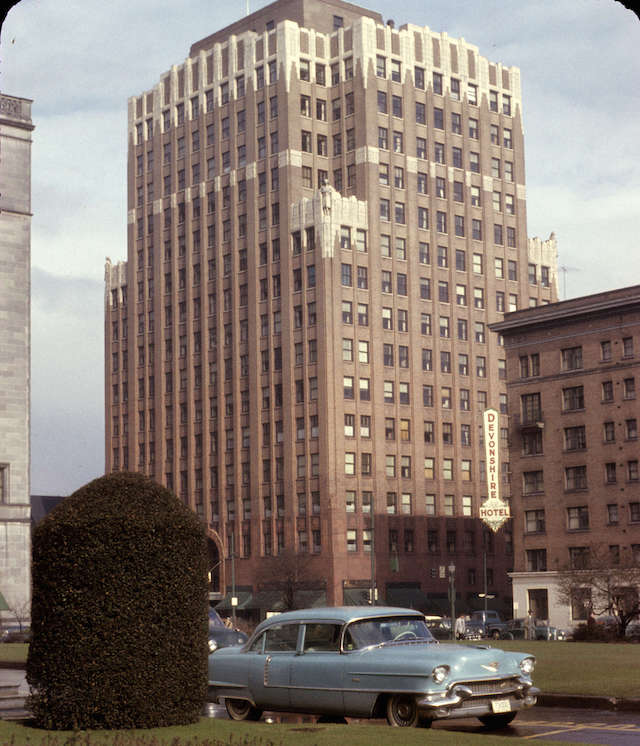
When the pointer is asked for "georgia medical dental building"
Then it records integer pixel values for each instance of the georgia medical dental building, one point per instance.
(325, 214)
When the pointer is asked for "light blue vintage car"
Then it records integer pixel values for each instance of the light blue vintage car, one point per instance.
(365, 662)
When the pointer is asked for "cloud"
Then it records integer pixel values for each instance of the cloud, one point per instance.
(67, 383)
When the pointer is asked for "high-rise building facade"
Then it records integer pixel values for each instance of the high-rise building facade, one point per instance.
(572, 372)
(325, 213)
(15, 345)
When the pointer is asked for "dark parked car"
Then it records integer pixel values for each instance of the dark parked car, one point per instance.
(221, 636)
(517, 630)
(15, 633)
(489, 622)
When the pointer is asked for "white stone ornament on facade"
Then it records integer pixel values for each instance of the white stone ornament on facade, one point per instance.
(493, 511)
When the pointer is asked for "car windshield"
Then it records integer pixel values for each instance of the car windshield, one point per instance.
(367, 632)
(215, 620)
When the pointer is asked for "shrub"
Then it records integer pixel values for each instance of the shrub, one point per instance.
(593, 633)
(119, 609)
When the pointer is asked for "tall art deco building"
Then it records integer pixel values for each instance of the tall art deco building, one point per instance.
(325, 214)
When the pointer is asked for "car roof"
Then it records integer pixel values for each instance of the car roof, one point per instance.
(338, 614)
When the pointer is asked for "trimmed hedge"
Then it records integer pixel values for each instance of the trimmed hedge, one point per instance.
(119, 609)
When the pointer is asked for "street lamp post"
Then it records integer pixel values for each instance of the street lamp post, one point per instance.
(452, 599)
(373, 565)
(234, 598)
(484, 570)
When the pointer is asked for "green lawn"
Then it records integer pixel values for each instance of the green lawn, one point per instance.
(606, 669)
(221, 733)
(13, 652)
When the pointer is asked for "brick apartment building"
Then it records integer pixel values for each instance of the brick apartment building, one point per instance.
(572, 369)
(325, 214)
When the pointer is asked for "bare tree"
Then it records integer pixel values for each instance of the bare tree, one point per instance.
(287, 573)
(21, 612)
(603, 587)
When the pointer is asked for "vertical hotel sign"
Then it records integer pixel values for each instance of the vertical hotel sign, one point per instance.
(493, 511)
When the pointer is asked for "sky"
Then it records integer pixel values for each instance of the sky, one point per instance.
(81, 60)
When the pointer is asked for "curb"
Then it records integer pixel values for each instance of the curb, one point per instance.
(582, 701)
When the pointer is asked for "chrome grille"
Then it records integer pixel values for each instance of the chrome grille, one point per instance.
(491, 687)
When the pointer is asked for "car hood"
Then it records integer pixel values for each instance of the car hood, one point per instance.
(464, 660)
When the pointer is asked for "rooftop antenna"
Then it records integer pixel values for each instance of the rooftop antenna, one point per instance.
(564, 269)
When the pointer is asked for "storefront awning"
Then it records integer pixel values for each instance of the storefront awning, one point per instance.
(244, 601)
(356, 596)
(410, 598)
(310, 599)
(437, 604)
(267, 601)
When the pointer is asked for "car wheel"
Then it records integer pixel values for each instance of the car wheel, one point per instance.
(242, 709)
(508, 636)
(495, 634)
(494, 722)
(402, 711)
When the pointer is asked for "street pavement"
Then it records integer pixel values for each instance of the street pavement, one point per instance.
(605, 728)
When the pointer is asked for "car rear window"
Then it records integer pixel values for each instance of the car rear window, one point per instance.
(282, 637)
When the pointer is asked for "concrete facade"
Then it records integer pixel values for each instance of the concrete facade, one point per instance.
(323, 219)
(15, 282)
(572, 372)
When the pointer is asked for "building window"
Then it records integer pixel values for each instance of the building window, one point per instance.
(534, 522)
(607, 391)
(532, 482)
(573, 398)
(629, 388)
(571, 358)
(536, 560)
(578, 518)
(575, 438)
(575, 478)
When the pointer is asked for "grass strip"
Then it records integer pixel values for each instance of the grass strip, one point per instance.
(210, 732)
(13, 652)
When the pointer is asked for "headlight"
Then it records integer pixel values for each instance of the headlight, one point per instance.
(213, 646)
(440, 673)
(527, 665)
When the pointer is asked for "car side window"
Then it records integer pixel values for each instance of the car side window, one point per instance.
(322, 637)
(282, 637)
(256, 647)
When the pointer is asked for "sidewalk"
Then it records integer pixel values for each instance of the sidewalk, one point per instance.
(13, 692)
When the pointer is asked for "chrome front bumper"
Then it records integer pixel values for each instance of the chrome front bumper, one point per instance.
(460, 700)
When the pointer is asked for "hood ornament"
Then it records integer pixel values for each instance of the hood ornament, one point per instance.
(492, 667)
